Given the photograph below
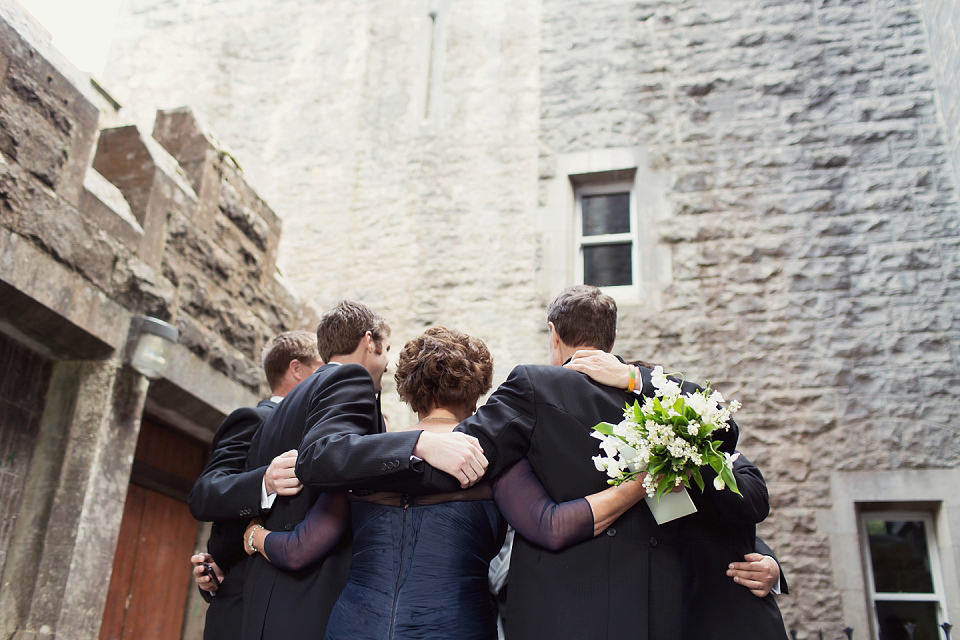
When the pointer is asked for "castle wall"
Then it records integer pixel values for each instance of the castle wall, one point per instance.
(97, 227)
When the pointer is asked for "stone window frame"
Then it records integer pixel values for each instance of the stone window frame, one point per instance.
(559, 217)
(930, 491)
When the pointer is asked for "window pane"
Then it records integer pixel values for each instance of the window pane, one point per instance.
(892, 616)
(898, 552)
(607, 265)
(607, 213)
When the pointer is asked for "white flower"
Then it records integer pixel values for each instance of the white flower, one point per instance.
(670, 392)
(658, 378)
(730, 459)
(693, 428)
(698, 403)
(610, 447)
(718, 483)
(624, 429)
(649, 485)
(734, 406)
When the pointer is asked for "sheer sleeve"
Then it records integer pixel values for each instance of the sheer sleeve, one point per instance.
(313, 538)
(525, 504)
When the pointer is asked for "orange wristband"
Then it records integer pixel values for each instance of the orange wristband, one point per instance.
(633, 378)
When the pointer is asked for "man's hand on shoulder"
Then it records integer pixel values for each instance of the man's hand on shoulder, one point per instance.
(758, 573)
(455, 453)
(280, 476)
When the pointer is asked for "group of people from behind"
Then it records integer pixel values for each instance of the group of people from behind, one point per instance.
(356, 532)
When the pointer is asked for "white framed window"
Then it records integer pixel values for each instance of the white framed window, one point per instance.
(591, 232)
(606, 228)
(904, 581)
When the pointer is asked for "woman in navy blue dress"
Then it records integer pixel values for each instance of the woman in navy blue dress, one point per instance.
(419, 566)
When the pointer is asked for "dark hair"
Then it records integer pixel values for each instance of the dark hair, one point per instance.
(584, 316)
(284, 349)
(643, 363)
(443, 367)
(342, 328)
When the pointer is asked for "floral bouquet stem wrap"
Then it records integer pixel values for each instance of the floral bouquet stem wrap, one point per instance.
(669, 436)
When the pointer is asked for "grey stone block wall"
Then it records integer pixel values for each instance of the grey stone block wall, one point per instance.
(942, 21)
(814, 230)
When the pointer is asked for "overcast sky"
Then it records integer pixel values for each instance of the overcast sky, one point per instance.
(81, 29)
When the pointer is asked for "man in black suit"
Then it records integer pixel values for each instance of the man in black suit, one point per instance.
(623, 583)
(342, 400)
(229, 495)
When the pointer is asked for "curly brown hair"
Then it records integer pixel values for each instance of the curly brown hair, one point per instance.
(443, 367)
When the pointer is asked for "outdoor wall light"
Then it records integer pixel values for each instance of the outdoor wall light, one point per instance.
(149, 345)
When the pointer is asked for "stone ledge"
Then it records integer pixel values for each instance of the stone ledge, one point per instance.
(54, 306)
(105, 205)
(191, 387)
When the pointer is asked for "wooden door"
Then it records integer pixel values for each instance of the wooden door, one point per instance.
(151, 568)
(24, 376)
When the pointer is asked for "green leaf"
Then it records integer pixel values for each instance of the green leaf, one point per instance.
(660, 465)
(716, 463)
(605, 428)
(666, 483)
(698, 478)
(730, 480)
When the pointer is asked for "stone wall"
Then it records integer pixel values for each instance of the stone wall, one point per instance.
(191, 244)
(95, 228)
(942, 21)
(814, 230)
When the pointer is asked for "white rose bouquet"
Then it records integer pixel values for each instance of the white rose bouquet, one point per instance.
(669, 437)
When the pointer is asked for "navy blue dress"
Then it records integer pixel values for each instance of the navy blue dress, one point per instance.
(419, 568)
(420, 571)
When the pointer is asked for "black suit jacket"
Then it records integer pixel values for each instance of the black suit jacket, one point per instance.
(722, 531)
(623, 583)
(326, 411)
(225, 490)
